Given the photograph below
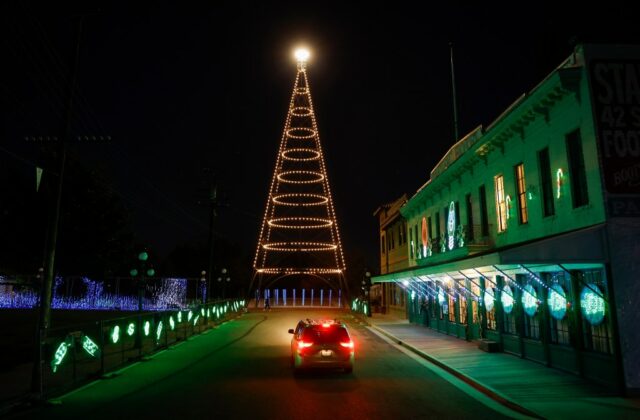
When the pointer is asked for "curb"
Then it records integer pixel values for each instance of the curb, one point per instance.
(489, 392)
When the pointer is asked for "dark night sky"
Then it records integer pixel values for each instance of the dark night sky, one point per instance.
(181, 89)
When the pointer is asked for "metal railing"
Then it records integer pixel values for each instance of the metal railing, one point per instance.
(293, 298)
(73, 355)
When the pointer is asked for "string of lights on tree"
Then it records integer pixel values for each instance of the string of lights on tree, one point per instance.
(299, 184)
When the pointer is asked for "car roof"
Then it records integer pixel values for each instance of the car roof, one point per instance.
(315, 322)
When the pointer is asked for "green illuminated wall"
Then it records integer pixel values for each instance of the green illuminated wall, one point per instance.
(541, 119)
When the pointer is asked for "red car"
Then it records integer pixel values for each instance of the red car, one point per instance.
(322, 344)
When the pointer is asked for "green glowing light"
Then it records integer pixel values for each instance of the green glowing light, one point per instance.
(59, 355)
(364, 308)
(189, 316)
(592, 304)
(413, 294)
(557, 301)
(147, 328)
(131, 329)
(151, 272)
(202, 311)
(208, 312)
(143, 256)
(489, 299)
(115, 334)
(133, 272)
(89, 346)
(530, 300)
(172, 323)
(158, 331)
(559, 182)
(195, 320)
(506, 297)
(179, 316)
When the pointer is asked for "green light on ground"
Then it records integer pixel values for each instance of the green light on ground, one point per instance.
(364, 308)
(158, 331)
(208, 312)
(89, 346)
(131, 329)
(59, 356)
(195, 321)
(147, 328)
(172, 323)
(202, 311)
(115, 334)
(189, 316)
(179, 316)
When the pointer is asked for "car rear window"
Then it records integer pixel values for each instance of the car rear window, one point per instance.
(322, 335)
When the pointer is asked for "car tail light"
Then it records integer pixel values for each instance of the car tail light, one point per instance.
(326, 325)
(348, 344)
(303, 344)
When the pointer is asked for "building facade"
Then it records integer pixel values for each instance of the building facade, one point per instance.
(394, 256)
(527, 232)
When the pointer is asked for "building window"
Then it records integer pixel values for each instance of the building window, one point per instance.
(509, 323)
(475, 317)
(531, 323)
(559, 328)
(469, 207)
(484, 216)
(411, 243)
(501, 204)
(463, 310)
(521, 187)
(546, 183)
(597, 337)
(578, 175)
(452, 309)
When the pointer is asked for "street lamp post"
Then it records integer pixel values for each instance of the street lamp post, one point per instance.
(150, 272)
(223, 279)
(203, 286)
(366, 287)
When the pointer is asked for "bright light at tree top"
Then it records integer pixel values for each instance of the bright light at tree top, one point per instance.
(302, 54)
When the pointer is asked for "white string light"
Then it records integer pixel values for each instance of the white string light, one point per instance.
(289, 169)
(320, 222)
(282, 177)
(319, 199)
(311, 154)
(299, 246)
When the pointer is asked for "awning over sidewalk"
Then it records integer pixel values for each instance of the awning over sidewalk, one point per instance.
(580, 250)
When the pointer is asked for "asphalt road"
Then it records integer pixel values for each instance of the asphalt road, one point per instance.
(241, 370)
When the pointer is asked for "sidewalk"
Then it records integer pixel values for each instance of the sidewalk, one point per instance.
(548, 392)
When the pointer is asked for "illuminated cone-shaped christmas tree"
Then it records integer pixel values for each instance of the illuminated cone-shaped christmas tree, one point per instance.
(299, 234)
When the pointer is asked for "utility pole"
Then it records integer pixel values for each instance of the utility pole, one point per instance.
(455, 102)
(44, 316)
(213, 212)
